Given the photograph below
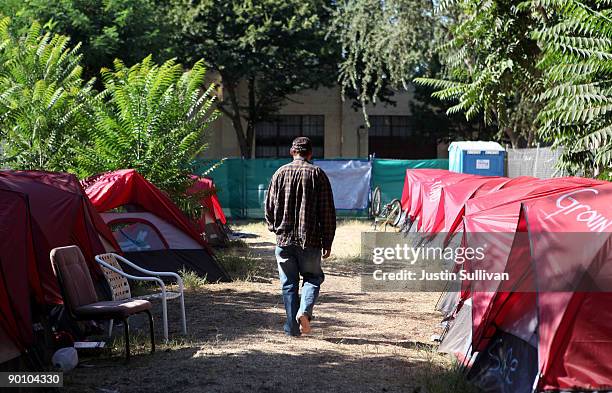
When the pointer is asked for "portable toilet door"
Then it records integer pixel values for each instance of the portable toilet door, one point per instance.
(477, 158)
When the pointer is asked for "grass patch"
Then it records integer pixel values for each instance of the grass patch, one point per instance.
(441, 375)
(237, 243)
(141, 288)
(192, 280)
(250, 226)
(140, 343)
(352, 221)
(239, 267)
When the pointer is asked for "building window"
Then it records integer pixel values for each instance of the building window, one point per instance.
(399, 137)
(273, 138)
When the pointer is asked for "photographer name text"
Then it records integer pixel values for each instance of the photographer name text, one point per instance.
(443, 275)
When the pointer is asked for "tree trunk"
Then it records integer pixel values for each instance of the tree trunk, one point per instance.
(530, 138)
(513, 137)
(252, 119)
(244, 142)
(245, 148)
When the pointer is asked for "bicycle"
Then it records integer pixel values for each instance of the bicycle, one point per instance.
(390, 214)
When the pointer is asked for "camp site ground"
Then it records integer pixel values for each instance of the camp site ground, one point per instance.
(468, 147)
(375, 324)
(378, 342)
(463, 282)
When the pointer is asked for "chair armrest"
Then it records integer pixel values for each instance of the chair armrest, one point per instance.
(178, 278)
(131, 277)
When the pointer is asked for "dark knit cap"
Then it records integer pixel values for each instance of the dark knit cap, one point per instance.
(301, 144)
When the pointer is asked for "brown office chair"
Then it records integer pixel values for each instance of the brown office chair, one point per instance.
(80, 296)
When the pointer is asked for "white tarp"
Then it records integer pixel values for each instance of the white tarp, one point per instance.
(350, 181)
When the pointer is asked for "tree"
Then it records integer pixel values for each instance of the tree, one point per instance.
(543, 69)
(490, 63)
(576, 38)
(107, 29)
(470, 51)
(152, 118)
(43, 99)
(384, 42)
(538, 69)
(270, 48)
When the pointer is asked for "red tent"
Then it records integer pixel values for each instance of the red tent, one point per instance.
(412, 199)
(209, 200)
(531, 188)
(456, 195)
(563, 249)
(18, 274)
(432, 195)
(412, 188)
(127, 187)
(150, 229)
(494, 228)
(61, 215)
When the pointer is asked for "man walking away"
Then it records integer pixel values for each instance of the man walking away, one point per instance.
(300, 211)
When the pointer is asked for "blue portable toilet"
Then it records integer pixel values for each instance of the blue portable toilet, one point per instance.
(477, 158)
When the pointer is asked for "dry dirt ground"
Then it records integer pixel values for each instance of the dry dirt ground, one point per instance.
(361, 342)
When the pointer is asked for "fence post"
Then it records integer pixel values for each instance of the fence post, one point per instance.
(535, 162)
(371, 158)
(507, 160)
(243, 187)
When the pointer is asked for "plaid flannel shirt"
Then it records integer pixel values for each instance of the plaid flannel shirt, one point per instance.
(300, 206)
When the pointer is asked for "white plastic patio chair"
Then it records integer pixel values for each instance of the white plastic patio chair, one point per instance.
(120, 288)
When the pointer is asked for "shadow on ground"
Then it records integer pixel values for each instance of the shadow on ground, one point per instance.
(362, 342)
(235, 344)
(191, 370)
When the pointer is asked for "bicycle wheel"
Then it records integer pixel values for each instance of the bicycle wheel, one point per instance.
(376, 202)
(395, 212)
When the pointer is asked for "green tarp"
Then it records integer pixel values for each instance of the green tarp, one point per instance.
(242, 184)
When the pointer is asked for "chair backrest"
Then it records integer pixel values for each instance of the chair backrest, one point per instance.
(119, 285)
(73, 274)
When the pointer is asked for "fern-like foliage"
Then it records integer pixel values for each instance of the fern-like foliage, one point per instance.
(43, 100)
(538, 65)
(539, 70)
(490, 66)
(152, 118)
(577, 63)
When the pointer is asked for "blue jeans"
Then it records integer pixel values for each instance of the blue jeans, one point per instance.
(294, 261)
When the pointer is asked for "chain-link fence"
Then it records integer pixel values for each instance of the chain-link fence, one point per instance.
(537, 162)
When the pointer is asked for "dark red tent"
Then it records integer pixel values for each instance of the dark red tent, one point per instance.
(495, 227)
(61, 215)
(150, 229)
(18, 275)
(456, 195)
(562, 250)
(432, 195)
(209, 200)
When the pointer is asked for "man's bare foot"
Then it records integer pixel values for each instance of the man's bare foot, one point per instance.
(304, 324)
